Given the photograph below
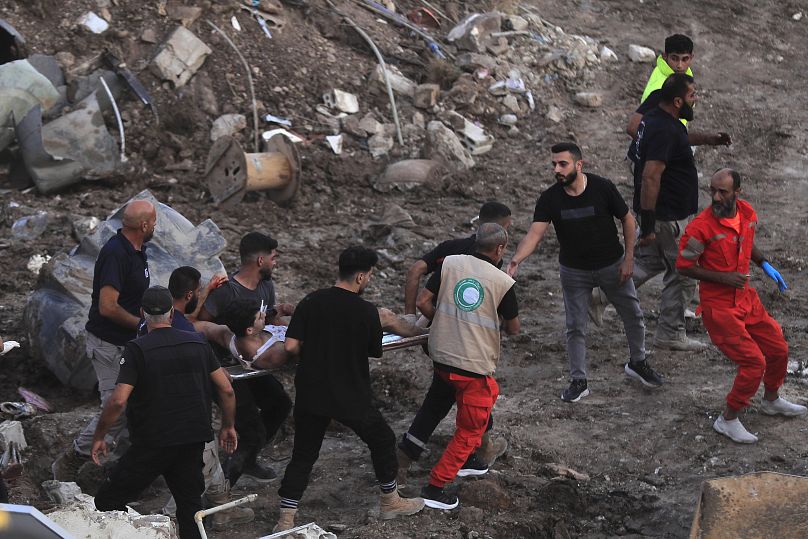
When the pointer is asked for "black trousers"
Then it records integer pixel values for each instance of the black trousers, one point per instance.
(438, 402)
(180, 465)
(309, 433)
(262, 405)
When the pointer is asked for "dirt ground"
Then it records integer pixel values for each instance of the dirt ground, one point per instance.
(646, 452)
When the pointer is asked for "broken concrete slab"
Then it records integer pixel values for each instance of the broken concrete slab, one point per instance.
(342, 101)
(638, 53)
(398, 82)
(497, 46)
(350, 124)
(589, 99)
(22, 75)
(474, 32)
(92, 22)
(370, 125)
(409, 174)
(444, 144)
(83, 521)
(227, 125)
(476, 139)
(56, 312)
(426, 95)
(180, 57)
(186, 15)
(515, 23)
(81, 87)
(512, 104)
(472, 61)
(61, 492)
(380, 144)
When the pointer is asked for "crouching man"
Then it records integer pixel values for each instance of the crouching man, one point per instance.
(164, 383)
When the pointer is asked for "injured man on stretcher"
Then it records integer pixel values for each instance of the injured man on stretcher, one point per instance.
(260, 346)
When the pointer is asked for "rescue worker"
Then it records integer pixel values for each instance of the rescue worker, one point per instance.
(716, 249)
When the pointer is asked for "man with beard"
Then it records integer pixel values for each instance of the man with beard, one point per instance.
(253, 280)
(333, 332)
(716, 249)
(666, 196)
(582, 208)
(120, 277)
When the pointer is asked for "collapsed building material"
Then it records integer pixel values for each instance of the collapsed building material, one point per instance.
(56, 312)
(230, 173)
(398, 82)
(27, 521)
(443, 143)
(12, 44)
(342, 101)
(408, 174)
(474, 32)
(180, 57)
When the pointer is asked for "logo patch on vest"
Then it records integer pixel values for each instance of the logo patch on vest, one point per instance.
(468, 294)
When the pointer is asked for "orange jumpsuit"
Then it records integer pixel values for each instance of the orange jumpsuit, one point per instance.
(735, 318)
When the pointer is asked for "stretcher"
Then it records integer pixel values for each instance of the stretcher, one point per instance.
(389, 342)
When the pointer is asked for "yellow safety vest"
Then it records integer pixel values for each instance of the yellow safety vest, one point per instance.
(658, 76)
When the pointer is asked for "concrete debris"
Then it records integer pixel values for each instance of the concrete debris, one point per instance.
(380, 144)
(180, 57)
(426, 95)
(512, 104)
(444, 144)
(607, 54)
(472, 61)
(395, 216)
(56, 312)
(11, 431)
(227, 125)
(508, 119)
(474, 32)
(307, 531)
(409, 174)
(555, 114)
(61, 493)
(370, 125)
(497, 46)
(515, 23)
(342, 101)
(149, 36)
(82, 226)
(335, 143)
(36, 262)
(637, 53)
(186, 15)
(83, 521)
(30, 227)
(476, 139)
(398, 82)
(589, 99)
(553, 469)
(350, 124)
(93, 23)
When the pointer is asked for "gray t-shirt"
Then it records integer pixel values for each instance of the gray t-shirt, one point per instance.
(221, 298)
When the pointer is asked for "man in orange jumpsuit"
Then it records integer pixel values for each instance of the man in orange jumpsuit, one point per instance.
(716, 249)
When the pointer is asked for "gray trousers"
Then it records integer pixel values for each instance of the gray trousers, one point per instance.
(577, 286)
(677, 290)
(106, 359)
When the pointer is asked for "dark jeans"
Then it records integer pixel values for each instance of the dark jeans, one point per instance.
(180, 465)
(439, 400)
(309, 433)
(262, 405)
(3, 491)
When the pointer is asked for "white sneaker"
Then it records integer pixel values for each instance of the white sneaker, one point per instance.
(682, 343)
(780, 406)
(734, 430)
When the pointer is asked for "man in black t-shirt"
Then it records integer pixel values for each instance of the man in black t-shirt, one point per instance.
(582, 208)
(333, 331)
(165, 386)
(666, 196)
(120, 277)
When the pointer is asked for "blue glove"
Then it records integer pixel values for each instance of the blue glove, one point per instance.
(775, 275)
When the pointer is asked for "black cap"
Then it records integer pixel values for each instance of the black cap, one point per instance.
(157, 300)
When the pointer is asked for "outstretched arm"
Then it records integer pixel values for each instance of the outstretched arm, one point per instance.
(528, 244)
(392, 323)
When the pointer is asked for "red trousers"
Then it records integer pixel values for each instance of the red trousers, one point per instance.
(475, 397)
(751, 338)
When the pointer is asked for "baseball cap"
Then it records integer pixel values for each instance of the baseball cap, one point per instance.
(156, 300)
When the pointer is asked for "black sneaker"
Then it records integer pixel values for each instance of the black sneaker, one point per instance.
(438, 498)
(643, 372)
(473, 466)
(260, 473)
(575, 392)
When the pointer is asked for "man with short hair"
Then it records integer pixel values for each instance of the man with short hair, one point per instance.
(716, 249)
(666, 196)
(471, 294)
(120, 277)
(258, 254)
(582, 207)
(165, 386)
(333, 332)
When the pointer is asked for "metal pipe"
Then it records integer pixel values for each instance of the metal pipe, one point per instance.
(205, 512)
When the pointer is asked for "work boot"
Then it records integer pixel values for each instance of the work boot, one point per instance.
(392, 505)
(228, 517)
(734, 430)
(404, 463)
(286, 520)
(491, 449)
(66, 466)
(781, 406)
(681, 343)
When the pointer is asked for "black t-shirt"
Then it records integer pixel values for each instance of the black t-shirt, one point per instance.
(508, 307)
(120, 266)
(661, 137)
(462, 246)
(651, 102)
(220, 299)
(584, 224)
(339, 331)
(171, 400)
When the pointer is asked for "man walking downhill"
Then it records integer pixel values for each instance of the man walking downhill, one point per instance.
(464, 345)
(333, 332)
(716, 249)
(583, 207)
(120, 277)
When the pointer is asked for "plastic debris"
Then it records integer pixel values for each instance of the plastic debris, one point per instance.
(335, 142)
(278, 120)
(32, 398)
(234, 22)
(266, 135)
(8, 346)
(17, 410)
(36, 262)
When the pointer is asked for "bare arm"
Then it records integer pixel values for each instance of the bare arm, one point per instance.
(651, 180)
(204, 315)
(228, 439)
(512, 326)
(424, 303)
(414, 274)
(528, 244)
(757, 255)
(629, 239)
(633, 124)
(215, 282)
(398, 326)
(113, 408)
(292, 347)
(109, 308)
(215, 333)
(709, 139)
